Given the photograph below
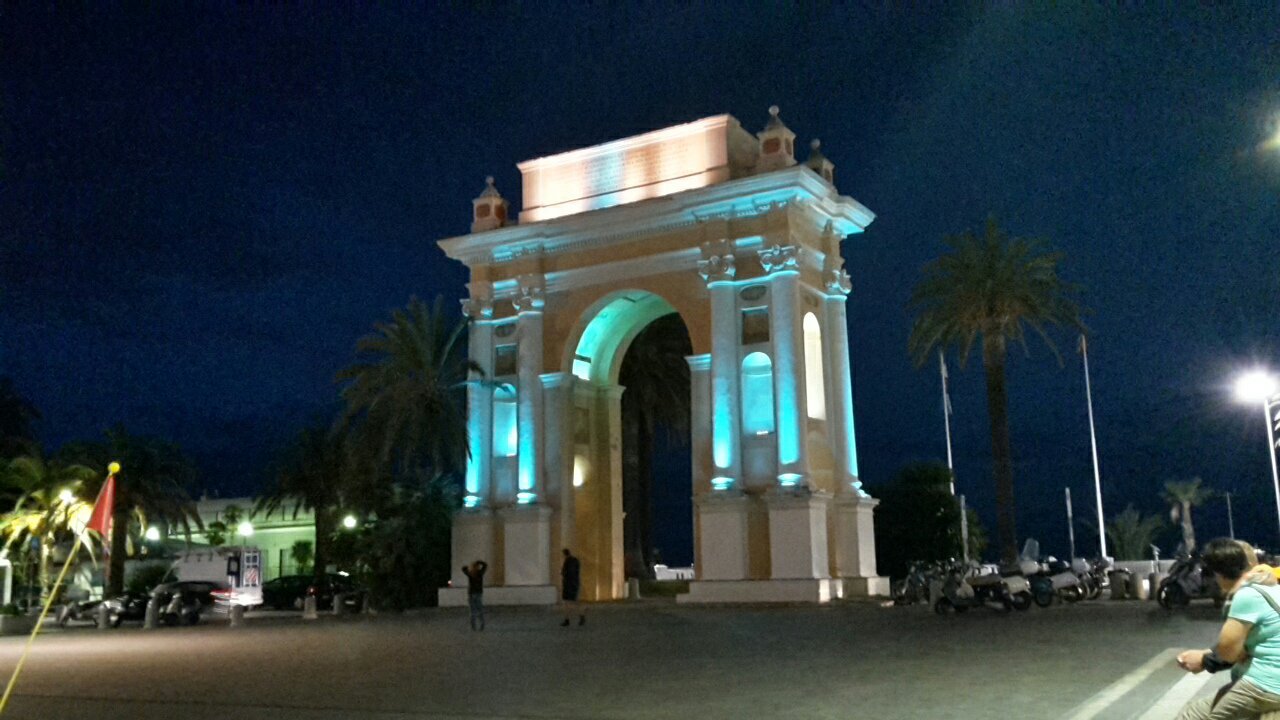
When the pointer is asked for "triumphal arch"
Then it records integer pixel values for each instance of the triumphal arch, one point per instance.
(727, 229)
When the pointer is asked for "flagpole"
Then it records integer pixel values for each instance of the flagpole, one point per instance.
(13, 679)
(104, 504)
(1093, 444)
(946, 418)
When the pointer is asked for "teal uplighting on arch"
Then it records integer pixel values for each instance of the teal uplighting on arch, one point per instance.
(597, 358)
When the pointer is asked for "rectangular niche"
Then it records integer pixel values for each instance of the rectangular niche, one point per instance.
(504, 360)
(755, 326)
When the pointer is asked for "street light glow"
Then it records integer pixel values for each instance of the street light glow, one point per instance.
(153, 533)
(67, 497)
(245, 529)
(1256, 386)
(349, 522)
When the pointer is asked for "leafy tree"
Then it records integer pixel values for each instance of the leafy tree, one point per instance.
(402, 394)
(311, 476)
(989, 290)
(153, 485)
(17, 421)
(1182, 497)
(303, 553)
(656, 377)
(1132, 533)
(221, 531)
(403, 550)
(919, 519)
(48, 505)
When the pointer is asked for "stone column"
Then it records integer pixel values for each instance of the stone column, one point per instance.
(700, 420)
(717, 268)
(529, 304)
(479, 402)
(557, 463)
(840, 384)
(789, 396)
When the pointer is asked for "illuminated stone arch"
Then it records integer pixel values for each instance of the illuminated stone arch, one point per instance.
(728, 231)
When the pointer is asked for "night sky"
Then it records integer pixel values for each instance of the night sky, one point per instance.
(202, 210)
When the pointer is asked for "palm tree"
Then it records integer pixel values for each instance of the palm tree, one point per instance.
(1182, 496)
(48, 504)
(311, 477)
(656, 377)
(991, 289)
(153, 485)
(1131, 533)
(403, 403)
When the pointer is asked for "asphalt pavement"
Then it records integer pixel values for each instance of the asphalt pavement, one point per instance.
(652, 660)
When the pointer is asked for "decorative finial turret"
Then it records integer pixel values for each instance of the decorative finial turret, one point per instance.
(777, 144)
(819, 163)
(489, 211)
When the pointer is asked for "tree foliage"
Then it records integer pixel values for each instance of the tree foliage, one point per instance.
(919, 519)
(992, 290)
(50, 503)
(1131, 534)
(1182, 496)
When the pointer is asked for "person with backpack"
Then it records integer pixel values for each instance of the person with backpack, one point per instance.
(1248, 644)
(570, 586)
(475, 592)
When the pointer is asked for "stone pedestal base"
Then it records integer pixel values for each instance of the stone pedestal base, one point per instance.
(866, 587)
(855, 536)
(798, 535)
(761, 591)
(722, 536)
(472, 540)
(525, 595)
(526, 545)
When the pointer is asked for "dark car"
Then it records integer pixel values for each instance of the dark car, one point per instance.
(332, 584)
(184, 601)
(286, 591)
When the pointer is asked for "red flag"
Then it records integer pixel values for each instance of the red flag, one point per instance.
(100, 520)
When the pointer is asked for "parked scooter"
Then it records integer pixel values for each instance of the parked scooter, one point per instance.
(959, 590)
(1187, 581)
(1093, 575)
(80, 611)
(915, 586)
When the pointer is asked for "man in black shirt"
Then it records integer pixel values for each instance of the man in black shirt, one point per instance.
(475, 592)
(570, 584)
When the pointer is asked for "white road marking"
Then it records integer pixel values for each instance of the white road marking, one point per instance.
(1116, 690)
(1180, 694)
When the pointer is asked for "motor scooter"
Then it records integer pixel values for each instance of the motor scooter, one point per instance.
(79, 611)
(1187, 581)
(959, 590)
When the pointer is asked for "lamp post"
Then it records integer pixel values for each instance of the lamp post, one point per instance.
(1261, 386)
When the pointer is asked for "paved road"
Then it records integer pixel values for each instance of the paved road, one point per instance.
(1094, 660)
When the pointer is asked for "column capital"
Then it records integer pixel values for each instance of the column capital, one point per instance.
(837, 281)
(779, 258)
(699, 363)
(530, 295)
(477, 308)
(555, 379)
(717, 263)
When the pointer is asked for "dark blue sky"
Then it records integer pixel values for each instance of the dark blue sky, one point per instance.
(201, 210)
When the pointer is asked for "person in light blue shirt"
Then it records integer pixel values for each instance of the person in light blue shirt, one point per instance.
(1249, 642)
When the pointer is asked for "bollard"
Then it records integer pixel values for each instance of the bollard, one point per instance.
(1138, 587)
(339, 603)
(153, 615)
(237, 616)
(1153, 584)
(633, 588)
(103, 623)
(309, 608)
(1119, 584)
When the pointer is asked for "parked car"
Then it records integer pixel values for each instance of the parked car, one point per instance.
(185, 601)
(286, 591)
(333, 583)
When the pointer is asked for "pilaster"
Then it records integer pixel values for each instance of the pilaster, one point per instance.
(479, 402)
(717, 269)
(790, 401)
(529, 303)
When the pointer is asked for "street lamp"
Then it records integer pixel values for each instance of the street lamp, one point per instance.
(67, 497)
(1261, 386)
(349, 522)
(153, 534)
(245, 529)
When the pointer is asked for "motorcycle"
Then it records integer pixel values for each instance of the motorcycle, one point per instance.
(1187, 581)
(129, 606)
(79, 611)
(915, 586)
